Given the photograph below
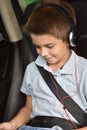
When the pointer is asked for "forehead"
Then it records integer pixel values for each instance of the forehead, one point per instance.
(43, 39)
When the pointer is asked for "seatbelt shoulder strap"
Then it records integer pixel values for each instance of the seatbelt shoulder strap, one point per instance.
(69, 103)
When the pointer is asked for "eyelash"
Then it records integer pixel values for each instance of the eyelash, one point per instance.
(48, 46)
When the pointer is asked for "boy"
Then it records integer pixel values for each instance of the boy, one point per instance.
(52, 34)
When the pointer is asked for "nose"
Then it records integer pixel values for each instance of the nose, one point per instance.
(44, 52)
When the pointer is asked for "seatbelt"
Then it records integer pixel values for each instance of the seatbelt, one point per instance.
(69, 103)
(49, 122)
(18, 12)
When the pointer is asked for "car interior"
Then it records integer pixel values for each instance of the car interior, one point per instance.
(16, 50)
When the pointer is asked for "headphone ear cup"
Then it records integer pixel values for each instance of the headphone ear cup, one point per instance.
(73, 38)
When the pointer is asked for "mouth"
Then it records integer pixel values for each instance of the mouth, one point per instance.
(48, 60)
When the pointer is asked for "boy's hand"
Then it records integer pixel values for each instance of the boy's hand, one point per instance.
(7, 126)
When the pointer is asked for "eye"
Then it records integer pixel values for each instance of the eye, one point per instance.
(36, 46)
(50, 46)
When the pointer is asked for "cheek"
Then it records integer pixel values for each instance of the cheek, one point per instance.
(60, 49)
(57, 52)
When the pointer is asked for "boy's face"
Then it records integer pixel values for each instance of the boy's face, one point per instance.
(54, 50)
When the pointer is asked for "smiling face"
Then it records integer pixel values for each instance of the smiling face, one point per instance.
(55, 51)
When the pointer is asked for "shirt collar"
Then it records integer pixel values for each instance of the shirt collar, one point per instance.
(68, 68)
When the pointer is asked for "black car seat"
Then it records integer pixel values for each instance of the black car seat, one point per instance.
(23, 54)
(6, 63)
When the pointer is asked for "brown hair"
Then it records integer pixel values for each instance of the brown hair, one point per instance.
(48, 20)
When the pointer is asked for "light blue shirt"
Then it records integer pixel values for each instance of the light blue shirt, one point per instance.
(73, 75)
